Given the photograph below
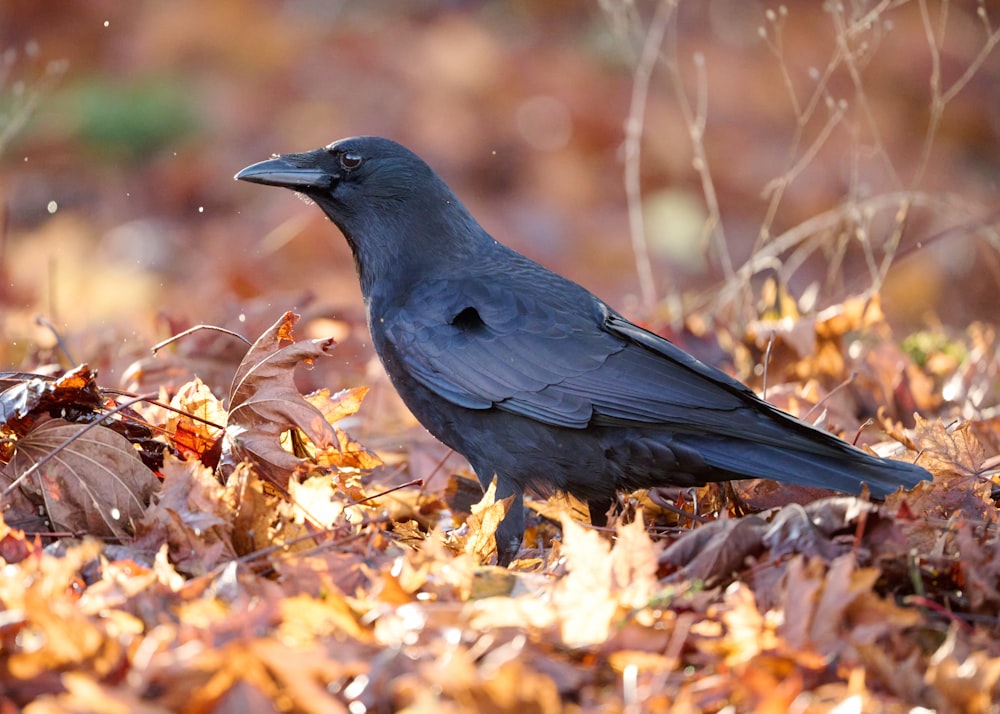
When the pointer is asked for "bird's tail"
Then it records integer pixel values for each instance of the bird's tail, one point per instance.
(825, 462)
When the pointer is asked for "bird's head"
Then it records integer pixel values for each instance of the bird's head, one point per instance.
(347, 176)
(389, 204)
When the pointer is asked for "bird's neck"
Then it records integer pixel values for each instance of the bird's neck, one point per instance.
(398, 250)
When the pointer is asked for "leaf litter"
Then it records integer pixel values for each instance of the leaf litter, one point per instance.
(195, 554)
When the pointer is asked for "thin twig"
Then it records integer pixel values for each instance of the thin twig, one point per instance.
(633, 146)
(163, 405)
(767, 363)
(386, 492)
(766, 256)
(157, 347)
(696, 120)
(817, 405)
(60, 342)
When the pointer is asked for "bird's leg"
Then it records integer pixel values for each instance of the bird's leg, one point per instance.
(510, 532)
(599, 508)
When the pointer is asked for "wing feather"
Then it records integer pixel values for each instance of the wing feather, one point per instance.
(561, 357)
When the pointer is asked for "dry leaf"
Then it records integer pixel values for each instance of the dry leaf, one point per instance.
(195, 436)
(265, 406)
(482, 524)
(716, 549)
(27, 394)
(949, 450)
(193, 514)
(264, 403)
(95, 485)
(583, 599)
(347, 453)
(634, 564)
(339, 406)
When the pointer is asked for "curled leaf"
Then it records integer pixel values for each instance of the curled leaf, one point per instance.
(264, 403)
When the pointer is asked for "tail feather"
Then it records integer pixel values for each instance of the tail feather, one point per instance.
(830, 463)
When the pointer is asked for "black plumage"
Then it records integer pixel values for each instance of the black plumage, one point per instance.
(530, 376)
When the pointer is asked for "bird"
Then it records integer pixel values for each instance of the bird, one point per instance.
(537, 382)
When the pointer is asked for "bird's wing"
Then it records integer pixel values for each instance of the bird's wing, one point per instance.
(557, 355)
(480, 344)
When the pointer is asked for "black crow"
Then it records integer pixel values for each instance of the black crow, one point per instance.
(533, 379)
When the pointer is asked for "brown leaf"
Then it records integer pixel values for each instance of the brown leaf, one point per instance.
(963, 681)
(759, 495)
(429, 572)
(980, 564)
(717, 549)
(193, 514)
(305, 618)
(944, 498)
(95, 485)
(88, 693)
(347, 453)
(343, 404)
(634, 564)
(14, 546)
(255, 512)
(809, 529)
(830, 608)
(264, 403)
(943, 450)
(477, 537)
(300, 676)
(315, 501)
(747, 632)
(53, 632)
(483, 523)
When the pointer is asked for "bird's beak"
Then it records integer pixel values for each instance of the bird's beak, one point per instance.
(285, 171)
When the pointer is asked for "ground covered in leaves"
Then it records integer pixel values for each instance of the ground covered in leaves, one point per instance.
(217, 528)
(170, 554)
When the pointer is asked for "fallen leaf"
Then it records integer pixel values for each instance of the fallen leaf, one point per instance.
(264, 403)
(198, 422)
(953, 450)
(583, 599)
(193, 514)
(95, 485)
(716, 549)
(27, 394)
(482, 524)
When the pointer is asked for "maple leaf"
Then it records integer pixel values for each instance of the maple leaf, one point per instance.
(954, 450)
(583, 599)
(634, 564)
(747, 631)
(95, 484)
(831, 608)
(347, 453)
(958, 461)
(264, 403)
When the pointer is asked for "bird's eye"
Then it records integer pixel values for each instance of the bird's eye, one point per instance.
(350, 160)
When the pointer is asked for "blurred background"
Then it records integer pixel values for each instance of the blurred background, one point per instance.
(122, 124)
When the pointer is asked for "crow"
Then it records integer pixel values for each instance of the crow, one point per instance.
(533, 379)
